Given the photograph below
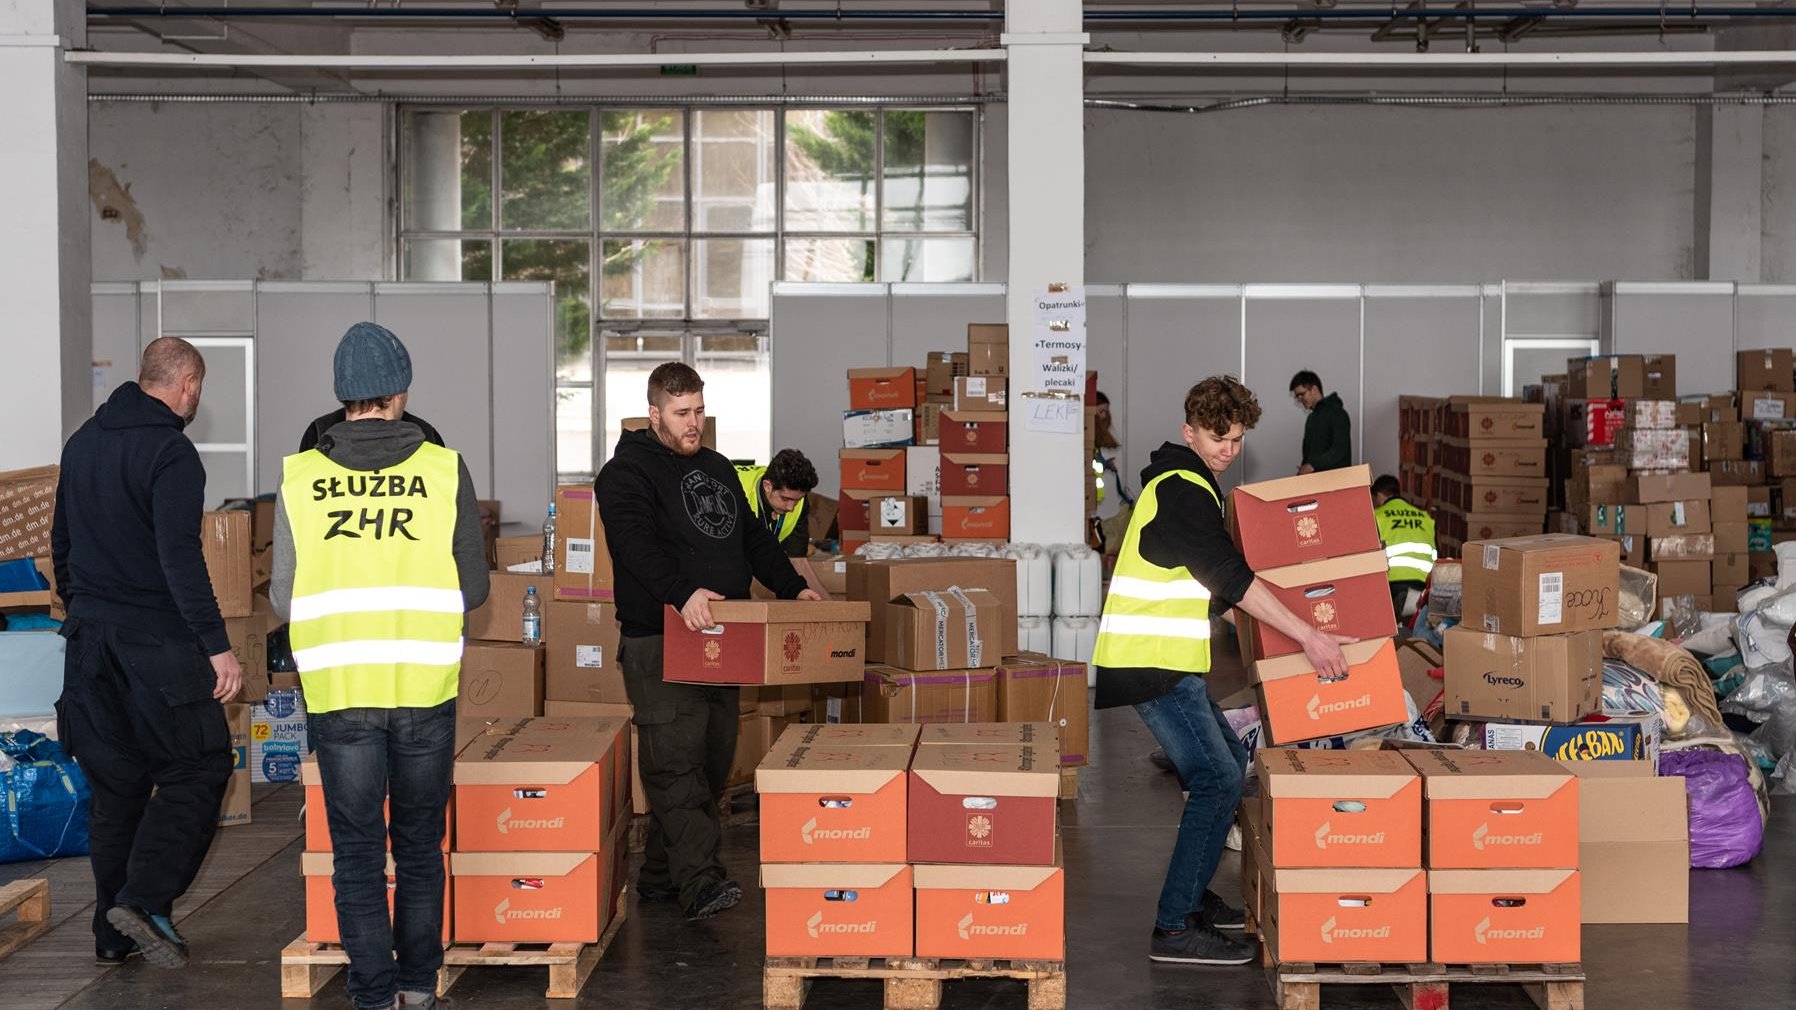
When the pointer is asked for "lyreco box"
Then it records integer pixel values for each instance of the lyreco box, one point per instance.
(1553, 678)
(975, 431)
(1348, 596)
(768, 642)
(1493, 916)
(991, 912)
(1292, 520)
(882, 581)
(873, 470)
(1340, 808)
(1376, 915)
(882, 388)
(582, 561)
(531, 897)
(971, 803)
(321, 896)
(839, 910)
(1297, 704)
(540, 790)
(833, 803)
(1549, 584)
(1497, 809)
(973, 473)
(952, 630)
(981, 518)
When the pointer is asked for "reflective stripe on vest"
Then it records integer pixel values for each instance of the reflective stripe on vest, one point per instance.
(1408, 536)
(751, 477)
(1154, 617)
(377, 610)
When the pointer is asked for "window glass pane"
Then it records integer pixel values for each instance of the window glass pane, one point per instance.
(629, 358)
(644, 174)
(733, 170)
(448, 259)
(563, 261)
(829, 170)
(448, 170)
(731, 278)
(829, 259)
(644, 279)
(928, 176)
(544, 169)
(739, 391)
(573, 431)
(933, 259)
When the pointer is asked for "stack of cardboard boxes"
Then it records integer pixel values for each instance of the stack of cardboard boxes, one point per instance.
(1419, 430)
(1491, 478)
(975, 442)
(1766, 407)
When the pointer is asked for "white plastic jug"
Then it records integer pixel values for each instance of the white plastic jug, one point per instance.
(1078, 581)
(1075, 638)
(1034, 579)
(1035, 634)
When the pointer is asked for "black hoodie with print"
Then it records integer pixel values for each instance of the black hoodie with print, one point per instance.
(677, 524)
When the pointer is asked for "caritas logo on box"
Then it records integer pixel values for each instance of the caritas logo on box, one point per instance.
(817, 927)
(503, 913)
(1482, 838)
(979, 831)
(1308, 529)
(1317, 709)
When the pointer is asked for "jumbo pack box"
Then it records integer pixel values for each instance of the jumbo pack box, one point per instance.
(1541, 585)
(1297, 704)
(991, 912)
(541, 785)
(973, 803)
(952, 630)
(768, 642)
(839, 909)
(891, 695)
(1633, 843)
(235, 809)
(1293, 520)
(1497, 810)
(1348, 596)
(500, 679)
(1555, 678)
(27, 511)
(874, 470)
(277, 737)
(1372, 915)
(1036, 689)
(833, 803)
(582, 561)
(1339, 808)
(882, 388)
(1505, 916)
(580, 658)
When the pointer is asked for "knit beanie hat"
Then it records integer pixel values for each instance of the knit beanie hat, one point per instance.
(371, 363)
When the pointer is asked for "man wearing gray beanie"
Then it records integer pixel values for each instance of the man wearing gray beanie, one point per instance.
(364, 341)
(378, 556)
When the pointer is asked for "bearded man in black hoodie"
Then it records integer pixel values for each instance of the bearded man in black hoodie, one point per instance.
(681, 534)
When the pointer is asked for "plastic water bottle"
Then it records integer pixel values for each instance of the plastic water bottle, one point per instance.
(533, 618)
(549, 542)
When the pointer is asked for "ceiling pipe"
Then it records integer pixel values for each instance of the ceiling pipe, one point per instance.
(522, 61)
(1446, 101)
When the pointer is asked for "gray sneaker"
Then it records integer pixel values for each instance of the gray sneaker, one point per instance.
(1198, 945)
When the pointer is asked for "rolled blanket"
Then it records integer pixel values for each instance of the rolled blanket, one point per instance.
(1670, 664)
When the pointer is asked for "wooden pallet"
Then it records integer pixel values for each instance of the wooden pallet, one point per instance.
(306, 967)
(911, 983)
(30, 899)
(1298, 986)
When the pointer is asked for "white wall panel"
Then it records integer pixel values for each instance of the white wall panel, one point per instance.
(1764, 316)
(115, 337)
(817, 332)
(934, 317)
(1420, 341)
(523, 418)
(1694, 321)
(1290, 328)
(1178, 334)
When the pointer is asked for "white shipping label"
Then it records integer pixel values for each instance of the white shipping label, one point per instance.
(1767, 409)
(579, 556)
(1492, 553)
(832, 710)
(1552, 598)
(976, 386)
(589, 657)
(1678, 518)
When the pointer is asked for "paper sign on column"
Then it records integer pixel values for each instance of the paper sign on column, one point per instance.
(1058, 337)
(1052, 414)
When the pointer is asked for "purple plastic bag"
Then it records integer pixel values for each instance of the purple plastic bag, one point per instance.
(1725, 829)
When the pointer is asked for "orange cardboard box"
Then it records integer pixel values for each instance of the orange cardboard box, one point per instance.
(976, 518)
(839, 909)
(846, 735)
(1346, 915)
(1340, 809)
(553, 785)
(874, 470)
(1001, 734)
(974, 473)
(1296, 704)
(318, 829)
(991, 911)
(975, 431)
(321, 895)
(972, 803)
(768, 642)
(532, 897)
(1296, 519)
(833, 804)
(1485, 916)
(882, 388)
(1499, 810)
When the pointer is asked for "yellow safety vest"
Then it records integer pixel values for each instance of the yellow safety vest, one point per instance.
(377, 610)
(1154, 617)
(751, 477)
(1408, 536)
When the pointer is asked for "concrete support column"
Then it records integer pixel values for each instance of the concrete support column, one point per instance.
(46, 260)
(433, 148)
(1046, 146)
(1730, 151)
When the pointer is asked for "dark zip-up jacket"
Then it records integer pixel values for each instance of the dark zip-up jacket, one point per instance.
(1328, 435)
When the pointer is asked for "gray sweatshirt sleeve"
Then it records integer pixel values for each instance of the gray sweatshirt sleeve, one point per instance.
(280, 584)
(470, 543)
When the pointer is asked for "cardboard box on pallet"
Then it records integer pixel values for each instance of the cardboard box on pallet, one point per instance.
(1344, 596)
(639, 801)
(1556, 678)
(1339, 809)
(892, 695)
(874, 470)
(569, 897)
(1292, 520)
(991, 912)
(235, 809)
(847, 736)
(808, 914)
(581, 642)
(542, 786)
(1497, 809)
(1345, 914)
(1034, 688)
(321, 896)
(1510, 915)
(1633, 843)
(582, 561)
(882, 388)
(768, 642)
(1607, 377)
(972, 803)
(833, 803)
(1548, 584)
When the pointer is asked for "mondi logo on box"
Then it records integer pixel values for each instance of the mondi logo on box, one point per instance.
(817, 927)
(1317, 709)
(968, 929)
(1326, 836)
(1482, 838)
(1483, 933)
(812, 834)
(507, 823)
(503, 913)
(1332, 932)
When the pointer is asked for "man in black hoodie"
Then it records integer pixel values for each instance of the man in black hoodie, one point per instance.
(148, 662)
(681, 534)
(1327, 432)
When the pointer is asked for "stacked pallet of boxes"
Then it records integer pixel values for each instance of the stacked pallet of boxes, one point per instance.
(1766, 407)
(1492, 479)
(975, 442)
(268, 717)
(883, 424)
(1418, 429)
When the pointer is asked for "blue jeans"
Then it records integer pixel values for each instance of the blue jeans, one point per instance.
(1211, 764)
(367, 756)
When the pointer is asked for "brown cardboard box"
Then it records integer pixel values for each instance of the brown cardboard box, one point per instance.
(891, 695)
(582, 561)
(1633, 842)
(835, 704)
(1732, 538)
(708, 439)
(931, 630)
(1683, 578)
(939, 374)
(580, 653)
(1769, 368)
(1683, 547)
(884, 581)
(927, 426)
(1737, 473)
(500, 679)
(1661, 376)
(1728, 505)
(1496, 459)
(988, 349)
(1723, 440)
(981, 393)
(236, 806)
(1552, 678)
(510, 551)
(1651, 488)
(1611, 377)
(1496, 496)
(1780, 454)
(1693, 415)
(501, 617)
(1758, 502)
(767, 642)
(782, 699)
(249, 643)
(1670, 519)
(224, 538)
(639, 800)
(27, 510)
(1615, 520)
(1767, 405)
(1729, 571)
(1549, 584)
(1762, 565)
(1033, 688)
(1633, 548)
(1497, 421)
(900, 515)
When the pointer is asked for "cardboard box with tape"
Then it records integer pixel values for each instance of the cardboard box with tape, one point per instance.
(1541, 585)
(580, 653)
(880, 582)
(1037, 689)
(582, 561)
(892, 695)
(950, 630)
(1554, 678)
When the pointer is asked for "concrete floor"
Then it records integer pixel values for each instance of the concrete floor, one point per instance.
(1736, 952)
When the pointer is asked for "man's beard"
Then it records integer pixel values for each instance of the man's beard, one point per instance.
(678, 446)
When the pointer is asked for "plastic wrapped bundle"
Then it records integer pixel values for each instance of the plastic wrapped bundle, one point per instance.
(1725, 825)
(965, 550)
(1763, 627)
(1639, 596)
(925, 551)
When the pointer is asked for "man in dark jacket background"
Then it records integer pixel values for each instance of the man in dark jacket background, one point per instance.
(148, 662)
(1327, 432)
(681, 534)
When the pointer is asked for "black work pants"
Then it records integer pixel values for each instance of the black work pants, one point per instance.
(138, 716)
(685, 738)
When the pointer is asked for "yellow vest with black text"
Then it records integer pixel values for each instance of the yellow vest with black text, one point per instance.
(377, 612)
(1154, 617)
(1408, 536)
(751, 477)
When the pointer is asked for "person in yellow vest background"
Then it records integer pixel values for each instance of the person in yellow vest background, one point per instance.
(378, 557)
(776, 494)
(1408, 535)
(1176, 569)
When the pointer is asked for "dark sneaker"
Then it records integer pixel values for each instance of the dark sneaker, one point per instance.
(112, 958)
(420, 1001)
(1159, 760)
(656, 892)
(717, 896)
(1198, 945)
(156, 937)
(1218, 914)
